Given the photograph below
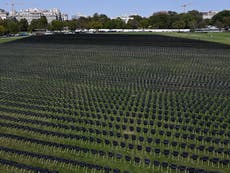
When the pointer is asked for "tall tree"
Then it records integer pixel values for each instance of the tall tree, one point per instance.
(226, 22)
(99, 21)
(96, 24)
(57, 25)
(23, 25)
(160, 20)
(137, 22)
(33, 25)
(197, 19)
(42, 24)
(119, 23)
(144, 23)
(12, 26)
(133, 24)
(222, 19)
(2, 30)
(180, 24)
(72, 24)
(83, 23)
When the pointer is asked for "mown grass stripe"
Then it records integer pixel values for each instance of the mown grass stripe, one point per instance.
(24, 166)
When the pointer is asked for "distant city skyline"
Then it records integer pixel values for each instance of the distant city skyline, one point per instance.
(119, 7)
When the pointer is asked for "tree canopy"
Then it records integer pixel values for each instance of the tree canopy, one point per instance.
(222, 19)
(161, 20)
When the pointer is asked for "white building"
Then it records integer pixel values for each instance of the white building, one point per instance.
(30, 14)
(64, 17)
(3, 14)
(126, 18)
(53, 14)
(209, 15)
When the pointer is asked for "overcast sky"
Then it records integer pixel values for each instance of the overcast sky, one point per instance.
(115, 8)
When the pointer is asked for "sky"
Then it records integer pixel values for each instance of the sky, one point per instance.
(114, 8)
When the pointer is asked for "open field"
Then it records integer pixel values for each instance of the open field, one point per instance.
(8, 39)
(114, 103)
(223, 37)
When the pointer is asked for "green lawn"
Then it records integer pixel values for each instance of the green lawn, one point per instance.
(71, 106)
(8, 39)
(212, 37)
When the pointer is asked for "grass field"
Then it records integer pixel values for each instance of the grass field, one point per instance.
(8, 39)
(119, 104)
(211, 37)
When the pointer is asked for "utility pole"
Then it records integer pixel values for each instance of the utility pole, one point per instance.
(12, 8)
(12, 5)
(184, 6)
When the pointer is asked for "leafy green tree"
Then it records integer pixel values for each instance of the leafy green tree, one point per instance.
(33, 25)
(42, 23)
(226, 21)
(72, 25)
(188, 20)
(107, 24)
(23, 25)
(4, 23)
(96, 24)
(144, 23)
(1, 21)
(83, 23)
(13, 26)
(160, 21)
(174, 18)
(2, 30)
(205, 23)
(119, 23)
(49, 27)
(133, 24)
(219, 24)
(136, 22)
(100, 18)
(180, 24)
(222, 19)
(140, 22)
(197, 19)
(38, 24)
(2, 27)
(57, 25)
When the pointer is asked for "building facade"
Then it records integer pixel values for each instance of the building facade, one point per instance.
(126, 18)
(209, 15)
(3, 14)
(31, 14)
(64, 17)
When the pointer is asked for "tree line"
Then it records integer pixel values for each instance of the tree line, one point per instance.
(161, 20)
